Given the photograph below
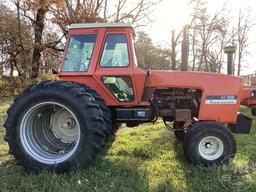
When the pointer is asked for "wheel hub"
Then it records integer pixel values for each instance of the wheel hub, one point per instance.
(50, 132)
(211, 148)
(64, 126)
(208, 145)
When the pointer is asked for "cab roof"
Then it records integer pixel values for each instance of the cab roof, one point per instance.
(97, 25)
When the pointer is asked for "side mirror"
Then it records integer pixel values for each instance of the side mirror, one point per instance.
(148, 72)
(54, 71)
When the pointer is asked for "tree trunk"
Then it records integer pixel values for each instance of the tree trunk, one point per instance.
(38, 27)
(23, 53)
(173, 51)
(239, 62)
(194, 51)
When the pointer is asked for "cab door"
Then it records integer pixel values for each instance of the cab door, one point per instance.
(114, 70)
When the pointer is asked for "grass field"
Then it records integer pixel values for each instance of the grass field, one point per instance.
(147, 158)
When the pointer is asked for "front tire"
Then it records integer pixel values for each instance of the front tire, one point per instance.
(253, 111)
(209, 143)
(56, 126)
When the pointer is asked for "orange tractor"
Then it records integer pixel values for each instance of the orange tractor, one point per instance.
(62, 125)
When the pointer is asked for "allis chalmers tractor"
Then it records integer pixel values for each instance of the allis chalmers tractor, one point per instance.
(62, 125)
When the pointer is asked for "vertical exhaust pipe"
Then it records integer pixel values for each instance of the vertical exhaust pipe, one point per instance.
(230, 50)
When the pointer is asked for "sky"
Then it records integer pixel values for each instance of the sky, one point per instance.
(176, 13)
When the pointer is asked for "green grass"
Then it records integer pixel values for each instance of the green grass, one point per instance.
(147, 158)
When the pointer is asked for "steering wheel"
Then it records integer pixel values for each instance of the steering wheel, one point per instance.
(111, 62)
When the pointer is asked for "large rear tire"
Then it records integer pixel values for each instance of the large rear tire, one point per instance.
(56, 126)
(109, 125)
(208, 143)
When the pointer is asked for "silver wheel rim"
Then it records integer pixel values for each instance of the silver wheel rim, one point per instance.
(211, 148)
(50, 132)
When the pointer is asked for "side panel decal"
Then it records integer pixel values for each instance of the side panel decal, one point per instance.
(221, 99)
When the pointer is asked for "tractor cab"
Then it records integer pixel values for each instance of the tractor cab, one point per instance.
(104, 54)
(81, 46)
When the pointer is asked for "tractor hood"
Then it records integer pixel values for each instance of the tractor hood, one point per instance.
(209, 82)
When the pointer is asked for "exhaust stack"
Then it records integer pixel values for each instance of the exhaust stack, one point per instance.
(230, 50)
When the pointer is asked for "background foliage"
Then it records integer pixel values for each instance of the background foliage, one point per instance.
(33, 34)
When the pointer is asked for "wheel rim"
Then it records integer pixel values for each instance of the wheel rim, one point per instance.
(211, 148)
(50, 132)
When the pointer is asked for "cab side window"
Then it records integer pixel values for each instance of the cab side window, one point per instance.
(115, 53)
(120, 86)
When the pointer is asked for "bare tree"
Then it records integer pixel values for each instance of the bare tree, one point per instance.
(14, 41)
(90, 11)
(133, 14)
(244, 25)
(209, 34)
(85, 11)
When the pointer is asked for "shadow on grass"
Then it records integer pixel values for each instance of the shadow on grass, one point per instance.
(103, 175)
(107, 173)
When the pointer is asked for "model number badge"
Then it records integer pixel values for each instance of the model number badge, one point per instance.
(141, 113)
(221, 99)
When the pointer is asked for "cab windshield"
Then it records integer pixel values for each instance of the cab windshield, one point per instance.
(79, 52)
